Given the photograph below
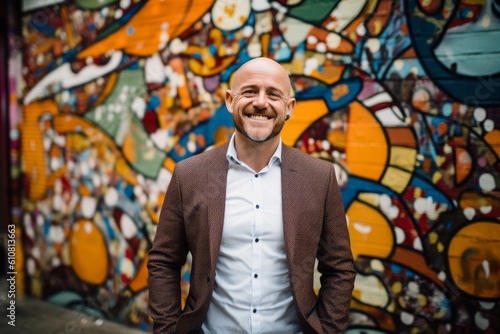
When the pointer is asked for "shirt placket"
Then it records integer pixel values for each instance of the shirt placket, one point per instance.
(255, 313)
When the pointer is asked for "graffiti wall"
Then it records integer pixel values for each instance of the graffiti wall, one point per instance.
(403, 97)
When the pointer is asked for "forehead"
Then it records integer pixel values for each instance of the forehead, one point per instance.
(262, 75)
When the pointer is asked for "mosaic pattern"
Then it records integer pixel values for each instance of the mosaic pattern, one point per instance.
(403, 97)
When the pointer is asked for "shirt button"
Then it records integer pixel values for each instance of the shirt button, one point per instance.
(254, 310)
(256, 175)
(257, 206)
(255, 275)
(256, 239)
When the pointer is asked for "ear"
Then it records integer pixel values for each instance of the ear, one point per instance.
(229, 101)
(290, 106)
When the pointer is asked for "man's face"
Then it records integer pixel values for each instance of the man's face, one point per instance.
(259, 101)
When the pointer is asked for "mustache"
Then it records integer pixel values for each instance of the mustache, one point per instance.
(259, 112)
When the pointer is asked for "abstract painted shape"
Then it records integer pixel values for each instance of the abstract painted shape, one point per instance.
(473, 257)
(88, 251)
(370, 231)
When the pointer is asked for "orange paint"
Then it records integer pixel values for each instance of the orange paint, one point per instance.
(140, 281)
(463, 164)
(151, 28)
(370, 231)
(304, 115)
(32, 149)
(493, 138)
(88, 252)
(473, 255)
(182, 89)
(366, 150)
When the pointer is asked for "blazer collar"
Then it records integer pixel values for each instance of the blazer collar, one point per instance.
(290, 184)
(216, 180)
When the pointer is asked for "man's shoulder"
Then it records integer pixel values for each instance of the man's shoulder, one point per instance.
(296, 157)
(206, 159)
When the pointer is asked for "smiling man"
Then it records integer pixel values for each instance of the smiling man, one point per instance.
(255, 214)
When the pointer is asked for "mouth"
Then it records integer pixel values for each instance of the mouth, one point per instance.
(259, 117)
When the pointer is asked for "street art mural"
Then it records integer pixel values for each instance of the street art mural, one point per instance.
(403, 97)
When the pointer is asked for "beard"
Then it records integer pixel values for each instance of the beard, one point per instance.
(258, 135)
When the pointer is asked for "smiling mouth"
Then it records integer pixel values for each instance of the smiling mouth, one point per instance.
(258, 117)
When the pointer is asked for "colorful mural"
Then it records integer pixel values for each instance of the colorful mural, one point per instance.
(402, 96)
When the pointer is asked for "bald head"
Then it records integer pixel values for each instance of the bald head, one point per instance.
(265, 65)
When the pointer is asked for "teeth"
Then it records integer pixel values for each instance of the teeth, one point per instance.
(259, 118)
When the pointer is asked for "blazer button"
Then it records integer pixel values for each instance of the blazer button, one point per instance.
(208, 278)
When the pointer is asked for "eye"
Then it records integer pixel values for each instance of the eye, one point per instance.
(249, 92)
(274, 95)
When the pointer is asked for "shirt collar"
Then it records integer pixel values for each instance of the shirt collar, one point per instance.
(232, 155)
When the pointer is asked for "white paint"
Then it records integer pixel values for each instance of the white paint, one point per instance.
(400, 235)
(487, 182)
(88, 227)
(417, 244)
(479, 114)
(486, 268)
(88, 206)
(128, 227)
(111, 197)
(469, 213)
(333, 40)
(372, 290)
(407, 318)
(362, 228)
(489, 125)
(294, 31)
(66, 78)
(481, 322)
(260, 5)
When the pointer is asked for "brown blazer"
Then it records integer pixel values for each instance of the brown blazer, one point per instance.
(191, 219)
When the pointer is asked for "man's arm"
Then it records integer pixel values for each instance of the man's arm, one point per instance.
(165, 260)
(335, 264)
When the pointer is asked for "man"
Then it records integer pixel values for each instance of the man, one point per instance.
(255, 214)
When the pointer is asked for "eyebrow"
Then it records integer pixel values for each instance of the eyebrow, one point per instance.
(273, 89)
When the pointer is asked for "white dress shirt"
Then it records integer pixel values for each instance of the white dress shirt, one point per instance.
(252, 288)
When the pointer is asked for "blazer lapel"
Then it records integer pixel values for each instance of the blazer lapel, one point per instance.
(215, 191)
(289, 184)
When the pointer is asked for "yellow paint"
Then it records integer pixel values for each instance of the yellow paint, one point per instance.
(88, 252)
(396, 179)
(403, 157)
(370, 198)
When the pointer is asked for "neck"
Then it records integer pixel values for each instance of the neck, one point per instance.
(255, 155)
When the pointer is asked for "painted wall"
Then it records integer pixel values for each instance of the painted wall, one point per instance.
(403, 97)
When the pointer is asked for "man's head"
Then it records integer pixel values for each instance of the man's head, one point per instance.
(260, 99)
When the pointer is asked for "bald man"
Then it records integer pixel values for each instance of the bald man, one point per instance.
(255, 215)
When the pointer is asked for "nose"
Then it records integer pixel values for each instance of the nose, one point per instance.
(260, 101)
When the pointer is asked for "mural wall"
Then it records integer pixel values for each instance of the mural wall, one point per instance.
(403, 97)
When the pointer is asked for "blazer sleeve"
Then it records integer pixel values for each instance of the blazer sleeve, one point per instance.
(165, 260)
(335, 263)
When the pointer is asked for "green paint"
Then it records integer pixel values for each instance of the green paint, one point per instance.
(129, 86)
(313, 11)
(94, 4)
